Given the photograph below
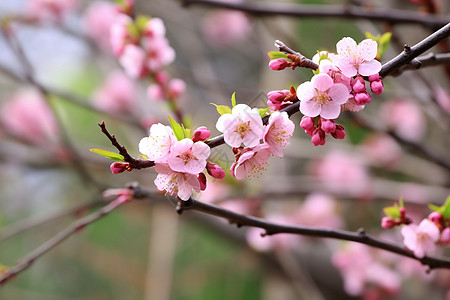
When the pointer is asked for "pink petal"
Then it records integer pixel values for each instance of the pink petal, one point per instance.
(339, 93)
(201, 150)
(251, 139)
(305, 91)
(369, 68)
(310, 108)
(331, 111)
(367, 50)
(232, 138)
(226, 118)
(430, 228)
(347, 68)
(346, 47)
(322, 82)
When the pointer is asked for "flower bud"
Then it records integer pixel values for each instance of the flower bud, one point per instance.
(215, 170)
(387, 223)
(276, 96)
(202, 180)
(359, 86)
(118, 167)
(307, 123)
(374, 77)
(435, 217)
(201, 134)
(362, 98)
(445, 236)
(278, 64)
(328, 126)
(318, 137)
(339, 133)
(377, 87)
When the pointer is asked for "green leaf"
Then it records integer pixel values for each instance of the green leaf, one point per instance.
(385, 38)
(446, 208)
(108, 154)
(233, 100)
(392, 212)
(187, 132)
(262, 111)
(372, 37)
(434, 207)
(222, 109)
(276, 54)
(177, 129)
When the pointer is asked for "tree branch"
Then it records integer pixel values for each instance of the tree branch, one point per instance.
(393, 16)
(272, 228)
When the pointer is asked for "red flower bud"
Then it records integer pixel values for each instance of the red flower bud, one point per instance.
(201, 134)
(215, 170)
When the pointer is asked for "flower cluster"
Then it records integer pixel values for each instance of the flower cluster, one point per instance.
(421, 239)
(253, 143)
(338, 85)
(179, 161)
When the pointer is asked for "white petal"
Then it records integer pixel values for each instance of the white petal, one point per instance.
(346, 47)
(367, 50)
(305, 91)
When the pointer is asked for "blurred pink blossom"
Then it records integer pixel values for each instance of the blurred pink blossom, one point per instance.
(318, 210)
(158, 51)
(117, 94)
(119, 33)
(27, 115)
(97, 21)
(223, 28)
(133, 61)
(360, 270)
(50, 10)
(405, 118)
(344, 173)
(382, 151)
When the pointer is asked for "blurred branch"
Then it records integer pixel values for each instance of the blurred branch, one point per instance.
(28, 224)
(393, 16)
(273, 228)
(428, 60)
(75, 227)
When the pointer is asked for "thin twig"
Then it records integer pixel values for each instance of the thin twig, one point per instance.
(393, 16)
(428, 60)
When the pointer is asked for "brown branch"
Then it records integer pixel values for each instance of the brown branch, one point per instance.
(133, 162)
(393, 16)
(272, 228)
(428, 60)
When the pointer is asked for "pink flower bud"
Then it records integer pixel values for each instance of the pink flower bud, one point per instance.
(339, 133)
(276, 96)
(445, 236)
(318, 138)
(362, 98)
(387, 222)
(307, 123)
(201, 134)
(215, 170)
(328, 126)
(377, 87)
(435, 217)
(202, 180)
(118, 167)
(278, 64)
(359, 86)
(162, 78)
(374, 77)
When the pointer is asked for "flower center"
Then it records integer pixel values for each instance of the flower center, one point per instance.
(186, 157)
(243, 128)
(321, 97)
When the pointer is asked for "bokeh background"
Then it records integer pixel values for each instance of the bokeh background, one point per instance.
(145, 250)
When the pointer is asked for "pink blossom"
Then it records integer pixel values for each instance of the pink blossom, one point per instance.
(201, 134)
(319, 210)
(405, 118)
(133, 61)
(155, 28)
(421, 239)
(117, 94)
(176, 88)
(158, 144)
(381, 150)
(358, 59)
(155, 92)
(352, 105)
(159, 53)
(27, 115)
(243, 126)
(223, 28)
(251, 161)
(119, 34)
(445, 236)
(50, 9)
(277, 132)
(188, 157)
(97, 21)
(278, 99)
(176, 183)
(321, 96)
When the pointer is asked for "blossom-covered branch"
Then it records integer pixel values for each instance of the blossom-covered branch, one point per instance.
(272, 228)
(393, 16)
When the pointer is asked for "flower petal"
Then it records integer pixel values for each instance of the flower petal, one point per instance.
(339, 93)
(330, 111)
(369, 68)
(322, 82)
(367, 50)
(346, 47)
(310, 108)
(305, 91)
